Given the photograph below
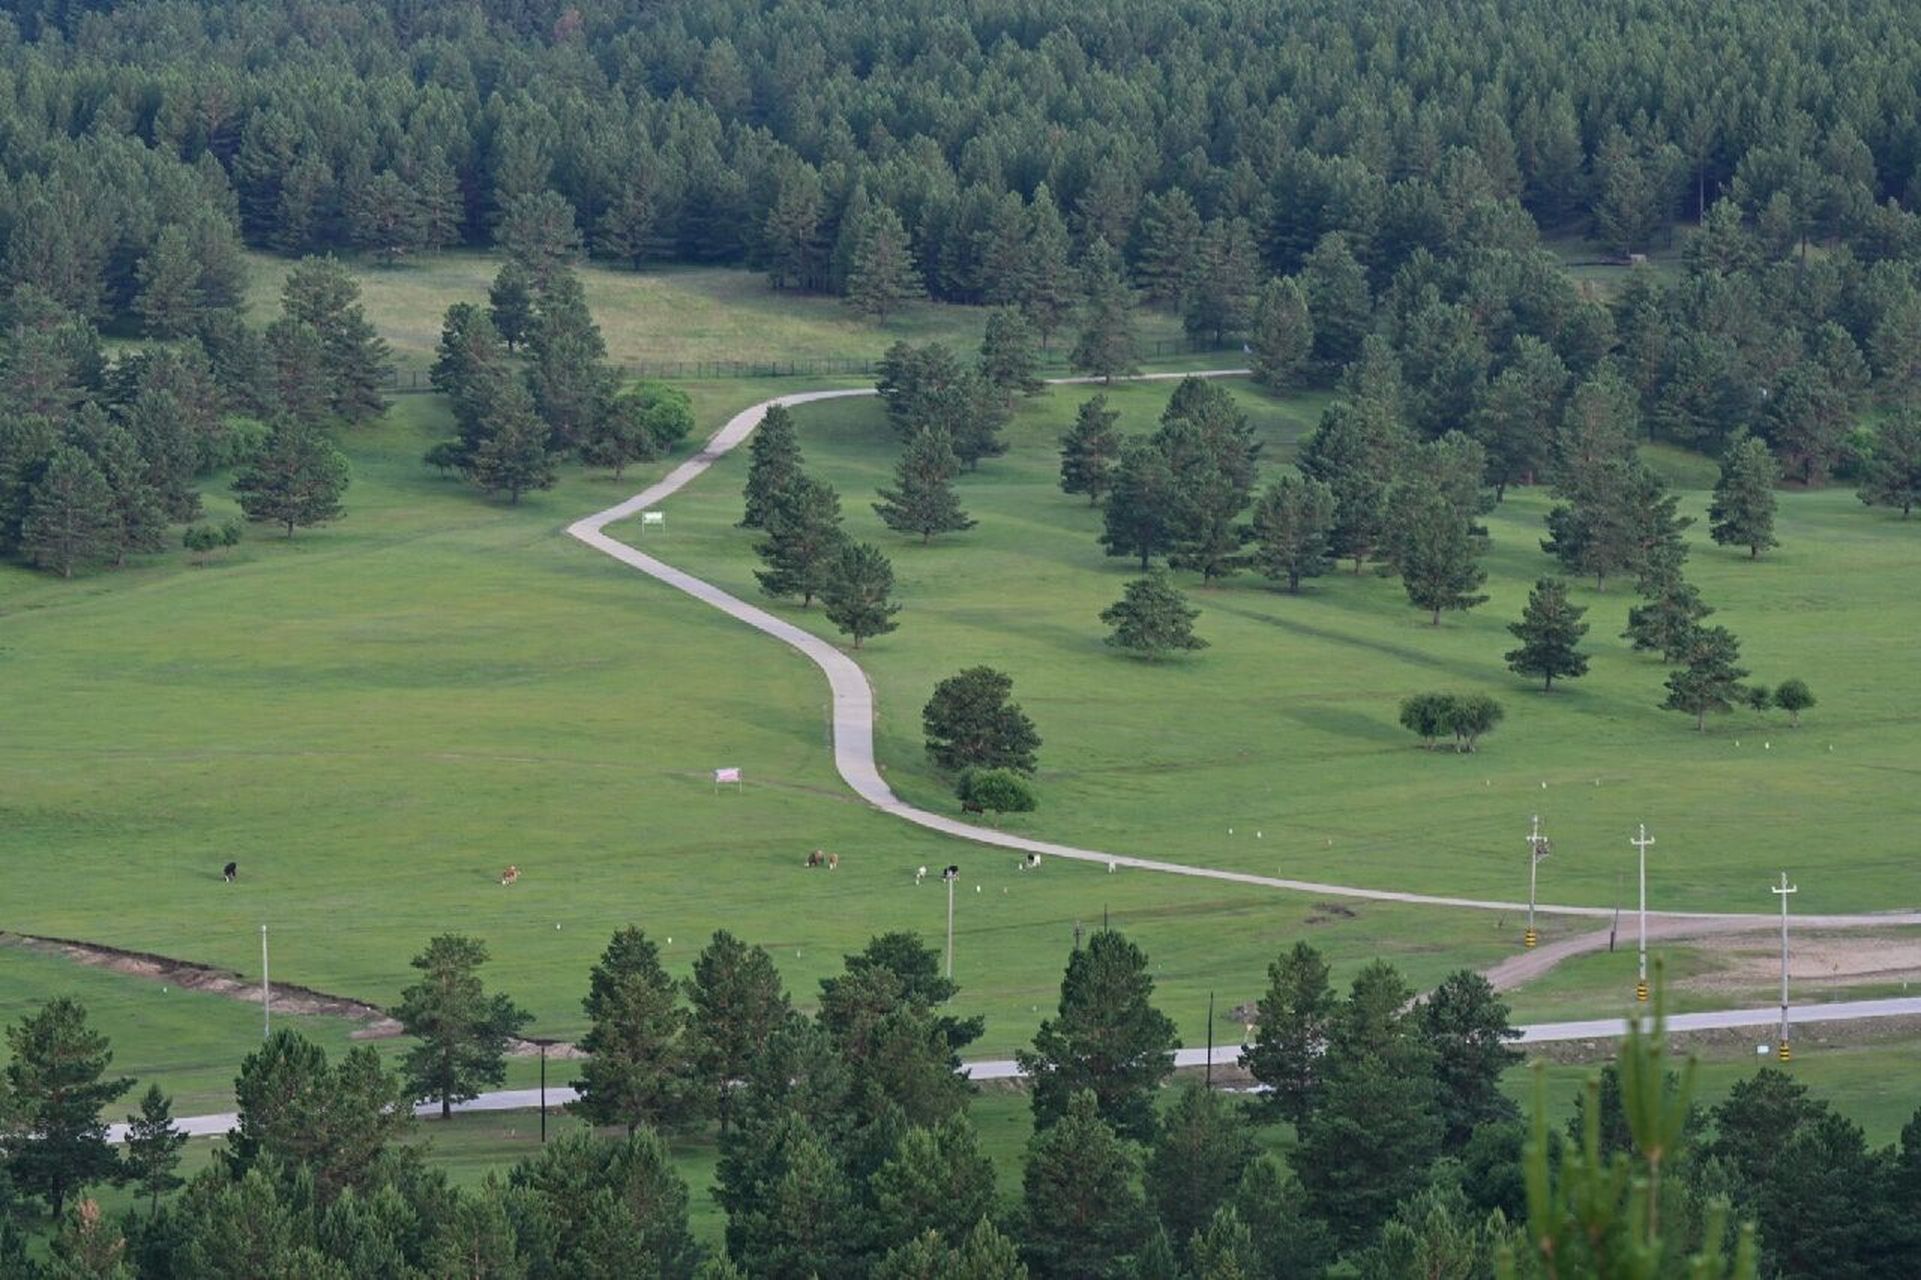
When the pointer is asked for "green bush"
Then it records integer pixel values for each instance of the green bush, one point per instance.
(996, 791)
(1466, 717)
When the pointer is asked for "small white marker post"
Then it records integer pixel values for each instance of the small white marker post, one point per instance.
(1784, 889)
(1641, 842)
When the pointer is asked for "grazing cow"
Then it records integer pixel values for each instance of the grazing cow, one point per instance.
(833, 862)
(920, 875)
(817, 858)
(511, 874)
(1031, 862)
(229, 871)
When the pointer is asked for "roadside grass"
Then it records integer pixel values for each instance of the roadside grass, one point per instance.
(1276, 750)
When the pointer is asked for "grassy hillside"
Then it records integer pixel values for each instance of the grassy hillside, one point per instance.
(1277, 749)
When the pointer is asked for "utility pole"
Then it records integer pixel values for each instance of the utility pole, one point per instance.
(950, 875)
(1641, 842)
(1784, 889)
(1210, 1038)
(1537, 849)
(266, 991)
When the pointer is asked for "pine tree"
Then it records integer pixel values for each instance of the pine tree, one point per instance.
(1549, 629)
(1203, 1147)
(512, 452)
(970, 723)
(737, 1002)
(1293, 524)
(773, 464)
(442, 209)
(855, 596)
(538, 231)
(1107, 1038)
(1807, 420)
(296, 479)
(798, 1216)
(462, 1029)
(923, 500)
(1221, 293)
(790, 234)
(1106, 347)
(1049, 287)
(1269, 1203)
(1008, 358)
(1170, 238)
(1224, 1249)
(1515, 413)
(1152, 618)
(1707, 680)
(1283, 337)
(570, 383)
(974, 415)
(937, 1180)
(510, 303)
(54, 1143)
(1141, 509)
(1467, 1028)
(153, 1147)
(1667, 621)
(882, 274)
(323, 295)
(1089, 450)
(70, 517)
(169, 302)
(803, 540)
(1083, 1213)
(1208, 502)
(1742, 512)
(298, 357)
(1353, 453)
(637, 1071)
(1892, 476)
(1338, 303)
(630, 228)
(1434, 550)
(1290, 1032)
(139, 518)
(385, 218)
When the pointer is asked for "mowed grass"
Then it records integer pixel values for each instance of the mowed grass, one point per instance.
(374, 718)
(1277, 749)
(666, 316)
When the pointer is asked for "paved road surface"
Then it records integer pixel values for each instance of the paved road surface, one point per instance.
(853, 714)
(1224, 1054)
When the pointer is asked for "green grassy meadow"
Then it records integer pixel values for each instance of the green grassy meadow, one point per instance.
(1277, 749)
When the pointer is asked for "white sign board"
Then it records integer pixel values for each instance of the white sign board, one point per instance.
(653, 519)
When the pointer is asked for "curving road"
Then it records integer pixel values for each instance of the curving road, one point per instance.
(854, 715)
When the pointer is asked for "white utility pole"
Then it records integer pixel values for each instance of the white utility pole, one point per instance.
(1641, 842)
(1784, 889)
(1537, 849)
(950, 875)
(266, 992)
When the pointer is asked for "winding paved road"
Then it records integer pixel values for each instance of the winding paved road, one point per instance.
(854, 723)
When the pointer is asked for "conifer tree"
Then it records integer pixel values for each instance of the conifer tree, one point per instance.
(1742, 513)
(803, 540)
(937, 1180)
(882, 274)
(1892, 476)
(1049, 287)
(537, 230)
(1083, 1213)
(169, 301)
(385, 218)
(1140, 514)
(773, 464)
(1549, 629)
(1008, 358)
(1221, 293)
(923, 500)
(321, 294)
(296, 480)
(1290, 1033)
(70, 519)
(512, 452)
(461, 1028)
(510, 303)
(1105, 348)
(1352, 451)
(790, 235)
(737, 1002)
(1338, 303)
(139, 518)
(1708, 679)
(571, 385)
(1106, 1037)
(1293, 524)
(970, 723)
(637, 1069)
(1673, 607)
(856, 594)
(1089, 449)
(54, 1143)
(1198, 1156)
(1169, 246)
(153, 1147)
(1152, 618)
(1283, 337)
(629, 228)
(1514, 414)
(1435, 551)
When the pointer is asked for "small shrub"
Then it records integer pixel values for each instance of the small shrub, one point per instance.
(1465, 717)
(446, 457)
(1793, 696)
(202, 540)
(996, 791)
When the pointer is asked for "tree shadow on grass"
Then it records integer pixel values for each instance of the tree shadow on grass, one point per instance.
(1400, 653)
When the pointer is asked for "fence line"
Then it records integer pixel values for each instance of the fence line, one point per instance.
(407, 381)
